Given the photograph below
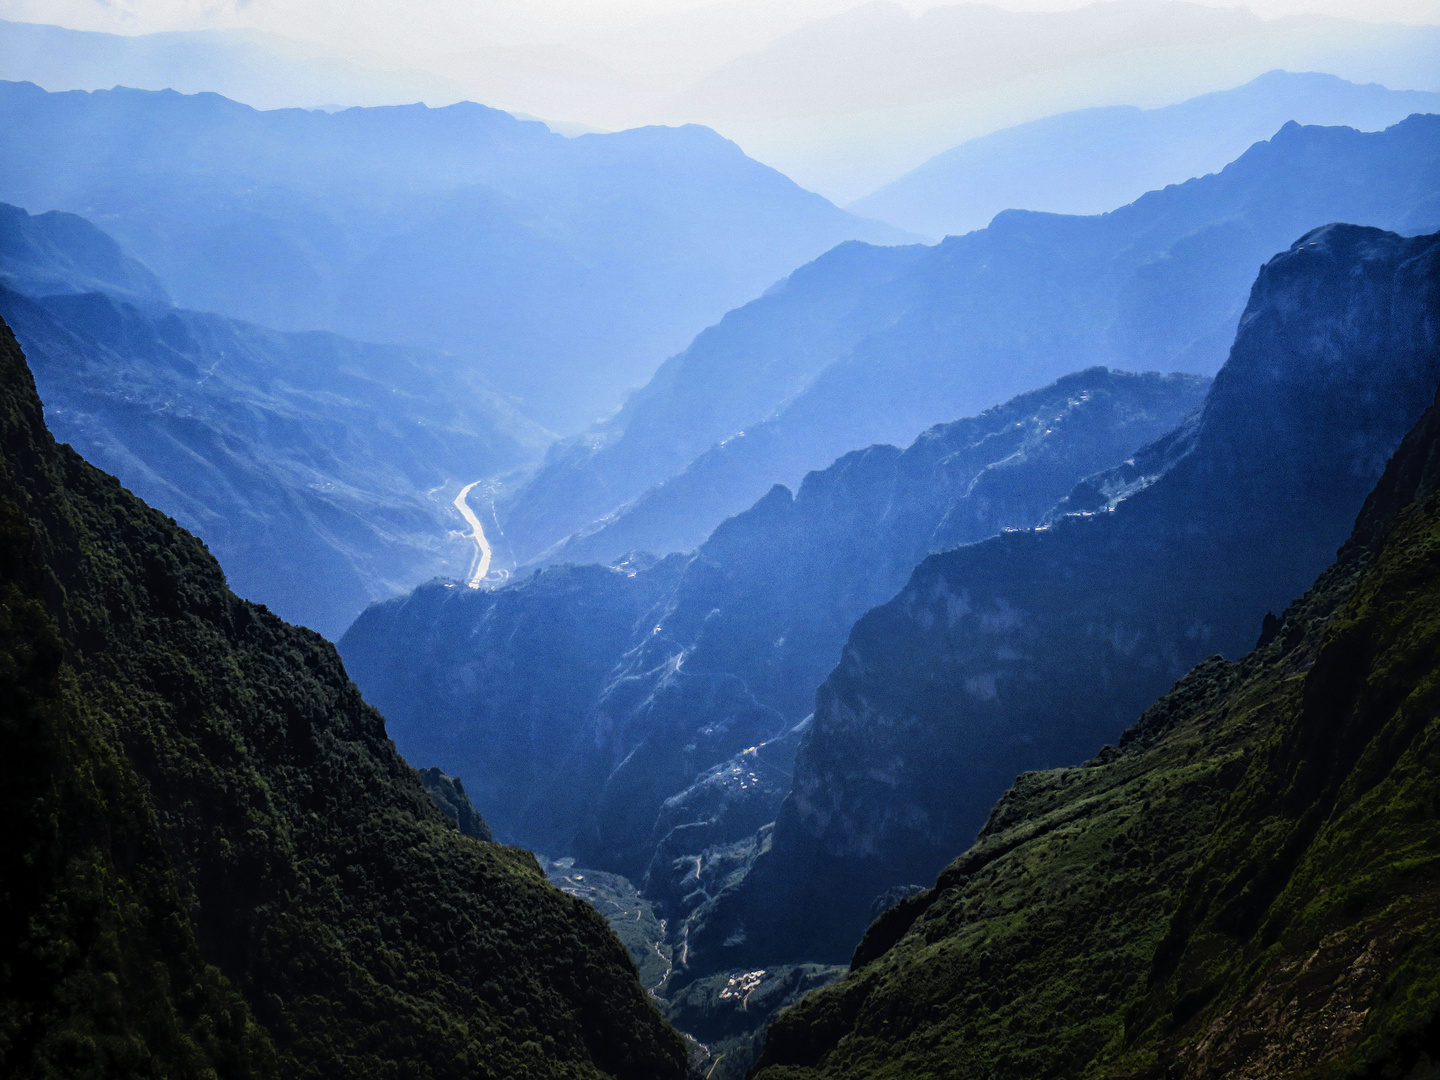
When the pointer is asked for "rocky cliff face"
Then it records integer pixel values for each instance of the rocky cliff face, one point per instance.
(576, 702)
(1034, 648)
(1247, 886)
(215, 862)
(875, 345)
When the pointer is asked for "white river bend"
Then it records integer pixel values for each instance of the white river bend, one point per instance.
(480, 565)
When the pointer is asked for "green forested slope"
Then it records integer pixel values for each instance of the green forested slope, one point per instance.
(1308, 939)
(1249, 886)
(214, 861)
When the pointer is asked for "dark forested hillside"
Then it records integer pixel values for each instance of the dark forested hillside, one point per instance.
(872, 345)
(1247, 886)
(216, 864)
(319, 470)
(1032, 649)
(574, 703)
(459, 228)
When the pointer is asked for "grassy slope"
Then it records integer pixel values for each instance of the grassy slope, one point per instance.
(1249, 886)
(206, 787)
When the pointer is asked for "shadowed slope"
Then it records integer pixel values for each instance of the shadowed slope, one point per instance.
(207, 775)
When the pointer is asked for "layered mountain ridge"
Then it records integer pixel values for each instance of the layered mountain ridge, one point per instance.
(215, 861)
(1032, 649)
(1088, 161)
(1246, 886)
(575, 702)
(461, 228)
(871, 345)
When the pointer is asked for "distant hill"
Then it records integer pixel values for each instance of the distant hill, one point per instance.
(562, 270)
(1089, 161)
(319, 470)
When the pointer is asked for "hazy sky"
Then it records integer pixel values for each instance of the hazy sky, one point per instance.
(302, 16)
(840, 94)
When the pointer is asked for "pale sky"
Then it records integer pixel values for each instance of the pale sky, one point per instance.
(485, 17)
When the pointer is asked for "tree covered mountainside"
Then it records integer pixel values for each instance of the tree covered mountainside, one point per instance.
(874, 345)
(582, 704)
(461, 228)
(319, 470)
(1032, 649)
(215, 863)
(1247, 886)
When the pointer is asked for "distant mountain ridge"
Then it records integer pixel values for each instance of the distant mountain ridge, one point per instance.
(263, 70)
(461, 228)
(319, 470)
(1089, 161)
(873, 345)
(849, 102)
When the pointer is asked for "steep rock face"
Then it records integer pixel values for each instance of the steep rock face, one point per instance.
(216, 862)
(319, 470)
(952, 329)
(1034, 648)
(574, 703)
(1247, 886)
(460, 228)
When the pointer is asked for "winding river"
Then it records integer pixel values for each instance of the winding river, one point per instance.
(480, 566)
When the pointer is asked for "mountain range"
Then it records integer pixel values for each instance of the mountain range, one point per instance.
(1034, 648)
(876, 344)
(1245, 886)
(1073, 802)
(460, 228)
(1089, 161)
(844, 96)
(575, 702)
(320, 470)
